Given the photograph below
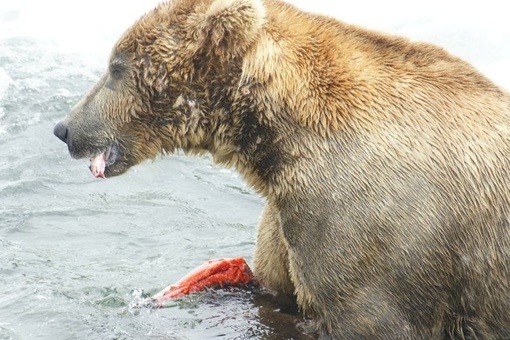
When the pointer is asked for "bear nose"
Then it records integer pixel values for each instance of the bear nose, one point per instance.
(60, 130)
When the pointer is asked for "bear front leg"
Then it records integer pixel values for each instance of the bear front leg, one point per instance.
(346, 285)
(271, 262)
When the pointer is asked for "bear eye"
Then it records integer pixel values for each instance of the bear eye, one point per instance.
(116, 70)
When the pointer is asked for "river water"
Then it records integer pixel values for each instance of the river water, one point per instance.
(76, 251)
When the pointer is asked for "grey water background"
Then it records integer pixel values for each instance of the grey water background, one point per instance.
(76, 251)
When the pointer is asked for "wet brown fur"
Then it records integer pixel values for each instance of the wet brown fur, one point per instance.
(384, 163)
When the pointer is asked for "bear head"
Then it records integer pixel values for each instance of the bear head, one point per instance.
(166, 78)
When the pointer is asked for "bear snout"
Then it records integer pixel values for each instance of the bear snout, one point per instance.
(60, 130)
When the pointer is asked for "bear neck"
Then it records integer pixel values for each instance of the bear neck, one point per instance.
(241, 133)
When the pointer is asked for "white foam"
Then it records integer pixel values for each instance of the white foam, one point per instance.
(5, 82)
(73, 26)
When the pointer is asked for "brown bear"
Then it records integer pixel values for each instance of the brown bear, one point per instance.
(385, 163)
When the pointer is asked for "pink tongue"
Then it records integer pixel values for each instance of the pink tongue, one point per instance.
(97, 165)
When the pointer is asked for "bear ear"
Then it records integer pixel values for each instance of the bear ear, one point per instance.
(226, 28)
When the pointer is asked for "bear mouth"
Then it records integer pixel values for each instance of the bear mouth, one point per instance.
(100, 162)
